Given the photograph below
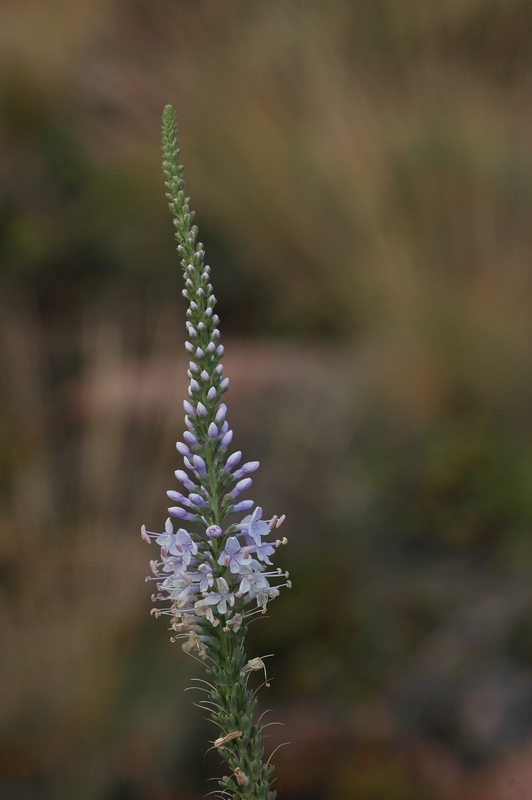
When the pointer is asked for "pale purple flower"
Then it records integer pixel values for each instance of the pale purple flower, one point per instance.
(184, 545)
(254, 527)
(234, 555)
(167, 538)
(254, 582)
(206, 578)
(222, 598)
(262, 551)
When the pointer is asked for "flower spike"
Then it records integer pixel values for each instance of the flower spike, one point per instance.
(215, 576)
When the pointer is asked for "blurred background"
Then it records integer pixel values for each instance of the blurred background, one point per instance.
(362, 176)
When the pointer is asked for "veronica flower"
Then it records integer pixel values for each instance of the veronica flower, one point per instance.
(208, 574)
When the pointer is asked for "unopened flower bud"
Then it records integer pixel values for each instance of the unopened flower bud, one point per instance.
(244, 505)
(199, 464)
(213, 431)
(177, 497)
(246, 469)
(221, 412)
(211, 394)
(214, 531)
(227, 438)
(240, 487)
(180, 513)
(183, 478)
(232, 461)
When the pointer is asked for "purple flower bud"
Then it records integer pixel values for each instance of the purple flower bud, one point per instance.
(193, 306)
(191, 330)
(199, 464)
(193, 366)
(183, 478)
(227, 438)
(180, 513)
(190, 438)
(211, 394)
(231, 462)
(219, 369)
(197, 499)
(201, 326)
(184, 293)
(182, 448)
(215, 335)
(224, 428)
(201, 409)
(216, 319)
(241, 486)
(213, 431)
(177, 497)
(189, 283)
(208, 313)
(205, 375)
(244, 505)
(189, 408)
(199, 352)
(220, 350)
(194, 385)
(200, 292)
(224, 385)
(212, 300)
(250, 466)
(220, 414)
(188, 423)
(189, 347)
(188, 462)
(211, 347)
(214, 531)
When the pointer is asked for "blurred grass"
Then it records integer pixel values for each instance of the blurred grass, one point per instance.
(362, 174)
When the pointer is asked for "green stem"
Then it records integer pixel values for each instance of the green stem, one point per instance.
(237, 706)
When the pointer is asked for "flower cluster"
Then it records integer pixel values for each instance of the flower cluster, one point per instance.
(205, 582)
(210, 577)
